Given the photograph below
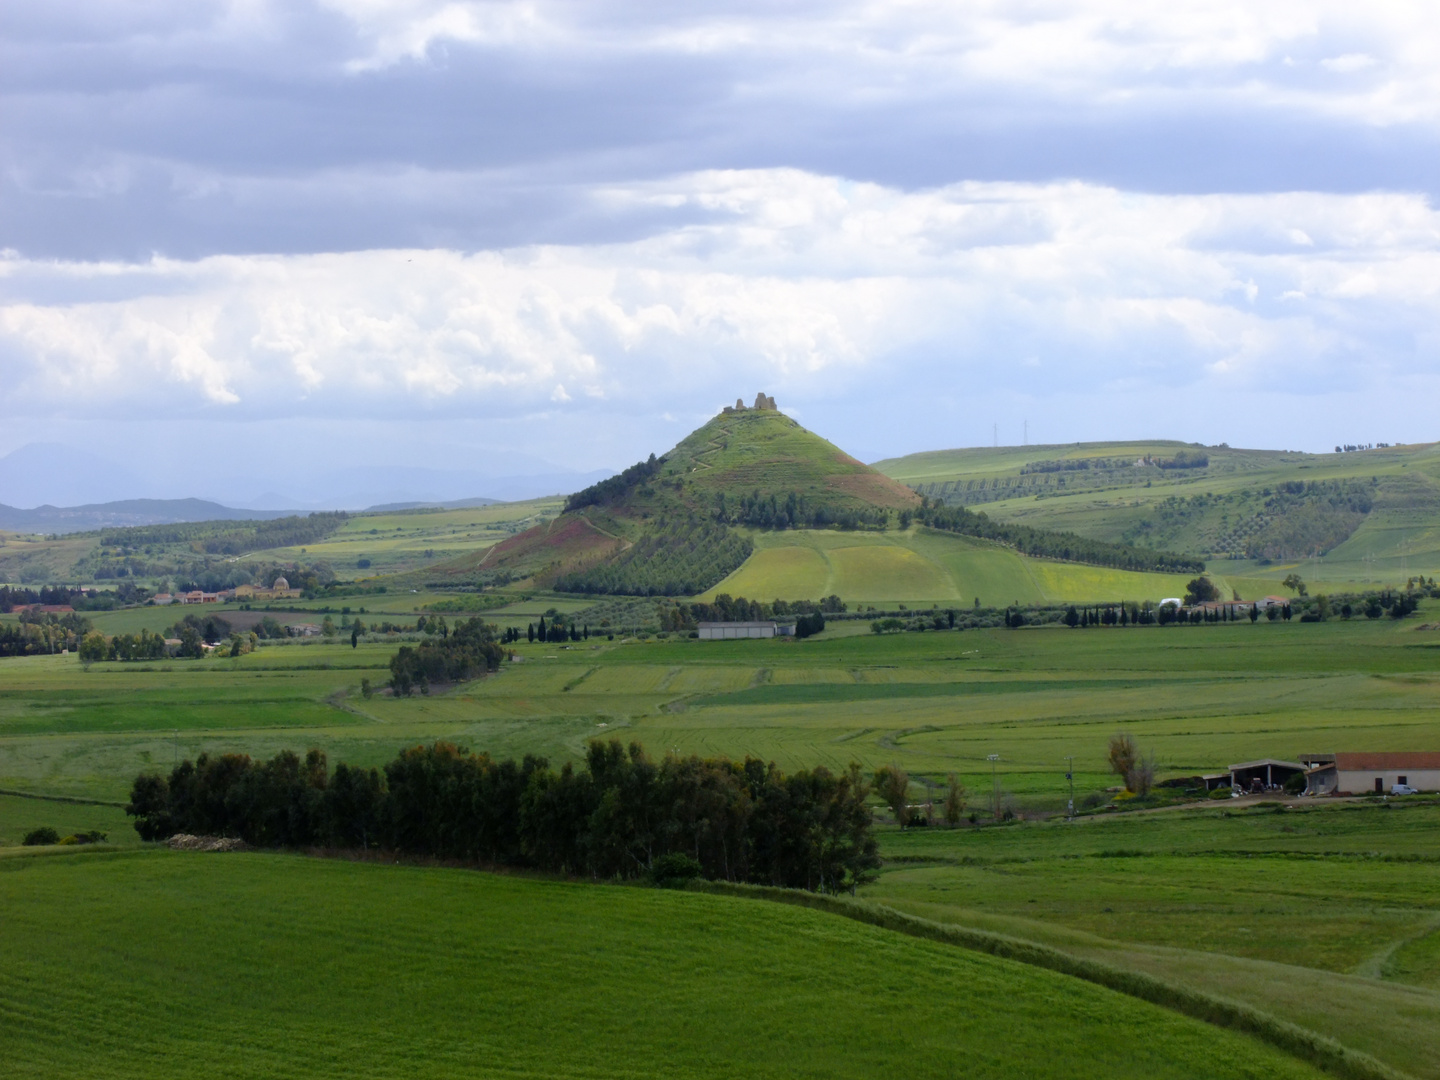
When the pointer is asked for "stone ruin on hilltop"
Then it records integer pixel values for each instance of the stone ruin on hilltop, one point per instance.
(762, 403)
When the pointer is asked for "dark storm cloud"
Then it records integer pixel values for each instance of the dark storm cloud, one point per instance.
(196, 128)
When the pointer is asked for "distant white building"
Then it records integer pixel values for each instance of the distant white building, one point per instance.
(728, 631)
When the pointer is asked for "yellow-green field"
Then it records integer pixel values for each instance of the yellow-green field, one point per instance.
(924, 566)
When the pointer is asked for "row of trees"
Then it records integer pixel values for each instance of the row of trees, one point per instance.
(681, 559)
(620, 815)
(795, 511)
(727, 608)
(12, 597)
(559, 629)
(142, 646)
(39, 634)
(472, 649)
(1044, 543)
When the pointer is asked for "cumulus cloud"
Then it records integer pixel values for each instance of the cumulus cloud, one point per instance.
(809, 285)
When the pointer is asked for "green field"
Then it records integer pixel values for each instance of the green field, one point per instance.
(1197, 697)
(925, 566)
(1323, 915)
(162, 964)
(1273, 909)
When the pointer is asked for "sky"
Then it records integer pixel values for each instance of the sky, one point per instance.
(245, 245)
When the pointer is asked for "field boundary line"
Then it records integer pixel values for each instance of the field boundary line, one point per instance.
(61, 798)
(1319, 1050)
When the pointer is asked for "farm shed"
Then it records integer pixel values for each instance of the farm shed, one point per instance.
(1262, 774)
(727, 631)
(1356, 774)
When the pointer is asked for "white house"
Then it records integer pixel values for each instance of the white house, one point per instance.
(1356, 774)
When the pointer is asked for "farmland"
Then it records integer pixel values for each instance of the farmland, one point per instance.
(1224, 510)
(1268, 908)
(1197, 697)
(920, 565)
(284, 973)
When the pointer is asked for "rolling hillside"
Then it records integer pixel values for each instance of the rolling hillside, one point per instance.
(1358, 518)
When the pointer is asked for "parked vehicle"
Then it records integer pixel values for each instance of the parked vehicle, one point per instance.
(1403, 789)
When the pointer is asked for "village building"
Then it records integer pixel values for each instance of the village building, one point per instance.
(161, 599)
(280, 590)
(1359, 774)
(730, 631)
(1263, 775)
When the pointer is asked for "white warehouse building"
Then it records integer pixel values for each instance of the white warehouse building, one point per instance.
(728, 631)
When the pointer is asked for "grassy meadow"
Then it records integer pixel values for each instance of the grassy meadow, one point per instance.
(244, 965)
(1197, 697)
(1324, 915)
(921, 566)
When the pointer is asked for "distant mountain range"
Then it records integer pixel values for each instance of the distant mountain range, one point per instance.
(72, 488)
(68, 519)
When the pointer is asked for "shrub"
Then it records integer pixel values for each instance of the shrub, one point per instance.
(95, 836)
(41, 836)
(674, 869)
(1221, 793)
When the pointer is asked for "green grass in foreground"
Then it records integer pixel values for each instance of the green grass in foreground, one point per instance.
(158, 964)
(1324, 915)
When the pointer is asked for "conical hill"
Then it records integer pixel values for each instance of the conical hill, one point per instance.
(676, 524)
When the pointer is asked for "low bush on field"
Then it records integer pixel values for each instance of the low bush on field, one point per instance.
(621, 815)
(41, 836)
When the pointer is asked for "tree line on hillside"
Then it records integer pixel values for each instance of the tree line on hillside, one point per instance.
(228, 537)
(619, 815)
(1183, 459)
(612, 489)
(1047, 544)
(687, 556)
(795, 511)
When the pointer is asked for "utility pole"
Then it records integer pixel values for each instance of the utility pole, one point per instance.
(1070, 776)
(994, 783)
